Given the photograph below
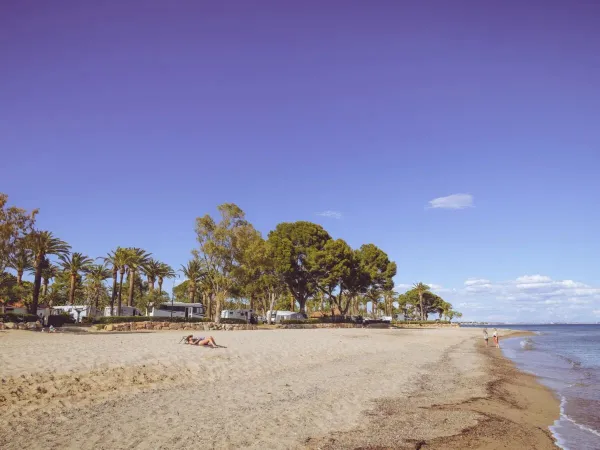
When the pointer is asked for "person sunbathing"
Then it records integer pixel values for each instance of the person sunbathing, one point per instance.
(201, 340)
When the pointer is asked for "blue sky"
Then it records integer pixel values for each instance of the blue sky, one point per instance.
(123, 123)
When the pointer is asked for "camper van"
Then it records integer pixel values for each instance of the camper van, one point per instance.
(242, 314)
(177, 309)
(278, 316)
(126, 311)
(77, 312)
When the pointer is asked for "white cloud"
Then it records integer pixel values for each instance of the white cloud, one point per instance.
(330, 214)
(454, 201)
(528, 298)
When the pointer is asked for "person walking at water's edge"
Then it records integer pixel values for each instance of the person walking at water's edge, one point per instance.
(496, 338)
(485, 336)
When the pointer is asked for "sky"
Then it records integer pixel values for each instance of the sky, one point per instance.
(461, 137)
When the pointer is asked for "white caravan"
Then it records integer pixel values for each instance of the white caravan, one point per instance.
(126, 311)
(77, 312)
(278, 316)
(242, 314)
(177, 309)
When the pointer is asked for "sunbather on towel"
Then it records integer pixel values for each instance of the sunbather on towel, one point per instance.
(201, 340)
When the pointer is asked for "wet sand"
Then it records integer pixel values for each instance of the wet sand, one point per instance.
(325, 388)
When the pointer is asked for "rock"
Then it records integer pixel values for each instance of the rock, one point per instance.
(9, 325)
(140, 325)
(21, 326)
(148, 325)
(109, 327)
(175, 326)
(1, 325)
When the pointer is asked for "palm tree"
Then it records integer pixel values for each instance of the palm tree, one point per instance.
(95, 276)
(118, 259)
(193, 272)
(421, 288)
(49, 271)
(113, 259)
(21, 261)
(165, 271)
(72, 265)
(151, 269)
(136, 259)
(42, 243)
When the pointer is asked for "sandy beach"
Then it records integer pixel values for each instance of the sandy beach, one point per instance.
(318, 388)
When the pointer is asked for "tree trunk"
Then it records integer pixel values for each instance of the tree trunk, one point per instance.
(209, 309)
(421, 304)
(151, 285)
(293, 303)
(160, 282)
(119, 300)
(19, 277)
(131, 281)
(114, 293)
(72, 289)
(45, 282)
(37, 282)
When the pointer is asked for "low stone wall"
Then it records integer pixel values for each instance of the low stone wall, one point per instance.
(372, 325)
(20, 326)
(295, 326)
(427, 325)
(191, 326)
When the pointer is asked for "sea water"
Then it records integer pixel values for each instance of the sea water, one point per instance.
(565, 358)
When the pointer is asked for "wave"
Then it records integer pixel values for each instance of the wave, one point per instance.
(527, 344)
(560, 442)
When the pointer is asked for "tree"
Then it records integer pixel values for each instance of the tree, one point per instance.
(21, 260)
(421, 289)
(221, 248)
(73, 265)
(118, 259)
(15, 224)
(294, 247)
(339, 274)
(49, 271)
(151, 268)
(42, 243)
(164, 271)
(193, 272)
(136, 259)
(95, 277)
(381, 271)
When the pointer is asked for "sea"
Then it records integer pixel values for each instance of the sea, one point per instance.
(565, 358)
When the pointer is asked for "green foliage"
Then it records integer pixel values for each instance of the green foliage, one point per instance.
(121, 319)
(10, 317)
(294, 250)
(221, 250)
(15, 224)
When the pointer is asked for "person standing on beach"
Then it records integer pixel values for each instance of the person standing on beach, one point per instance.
(485, 336)
(496, 338)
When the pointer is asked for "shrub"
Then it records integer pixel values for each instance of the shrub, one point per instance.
(121, 319)
(12, 317)
(59, 320)
(233, 321)
(420, 322)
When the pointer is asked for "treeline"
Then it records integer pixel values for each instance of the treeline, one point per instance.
(297, 266)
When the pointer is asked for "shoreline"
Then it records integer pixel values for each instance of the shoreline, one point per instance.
(514, 411)
(327, 388)
(519, 409)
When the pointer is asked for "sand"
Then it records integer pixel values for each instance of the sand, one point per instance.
(317, 388)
